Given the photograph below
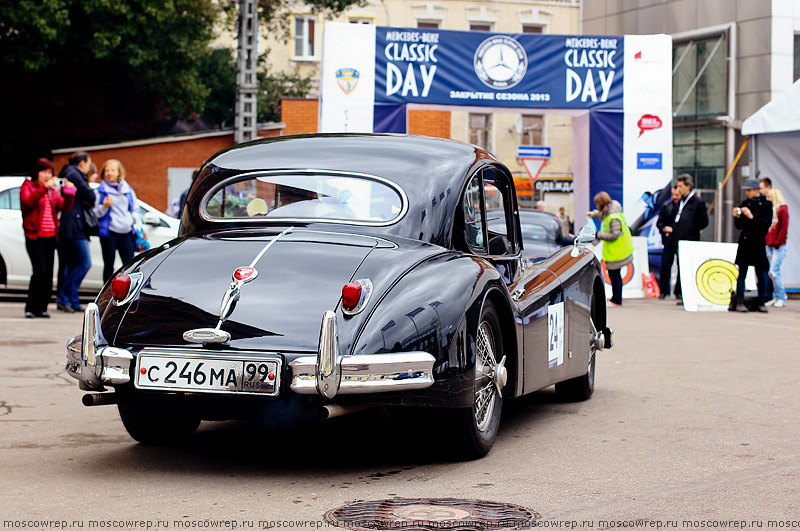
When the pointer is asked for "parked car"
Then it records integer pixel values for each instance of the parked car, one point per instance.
(333, 272)
(15, 265)
(541, 233)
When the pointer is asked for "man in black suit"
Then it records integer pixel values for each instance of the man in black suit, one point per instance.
(666, 220)
(690, 218)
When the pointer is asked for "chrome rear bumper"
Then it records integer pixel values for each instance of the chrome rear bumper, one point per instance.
(371, 373)
(95, 364)
(92, 363)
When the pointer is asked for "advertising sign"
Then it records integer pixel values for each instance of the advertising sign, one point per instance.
(370, 74)
(632, 284)
(708, 275)
(434, 66)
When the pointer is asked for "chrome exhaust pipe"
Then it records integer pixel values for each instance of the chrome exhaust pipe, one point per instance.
(329, 411)
(98, 399)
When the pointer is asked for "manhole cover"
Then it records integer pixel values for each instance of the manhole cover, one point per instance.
(431, 513)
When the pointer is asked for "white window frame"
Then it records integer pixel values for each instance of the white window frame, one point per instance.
(305, 56)
(523, 129)
(487, 131)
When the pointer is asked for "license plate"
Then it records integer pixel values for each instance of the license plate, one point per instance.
(208, 374)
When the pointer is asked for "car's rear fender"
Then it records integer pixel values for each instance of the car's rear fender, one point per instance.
(434, 307)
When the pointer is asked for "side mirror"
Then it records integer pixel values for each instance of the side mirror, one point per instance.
(151, 218)
(586, 235)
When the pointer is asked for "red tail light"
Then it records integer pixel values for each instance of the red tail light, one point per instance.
(351, 295)
(120, 286)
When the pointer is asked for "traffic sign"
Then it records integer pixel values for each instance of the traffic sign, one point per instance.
(539, 152)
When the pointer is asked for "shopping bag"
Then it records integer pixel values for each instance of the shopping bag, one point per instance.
(651, 289)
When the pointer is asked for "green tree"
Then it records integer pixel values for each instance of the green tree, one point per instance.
(157, 47)
(152, 45)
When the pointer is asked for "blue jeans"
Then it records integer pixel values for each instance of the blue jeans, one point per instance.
(775, 260)
(76, 260)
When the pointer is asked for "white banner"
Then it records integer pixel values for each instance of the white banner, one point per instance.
(708, 275)
(347, 84)
(647, 142)
(632, 284)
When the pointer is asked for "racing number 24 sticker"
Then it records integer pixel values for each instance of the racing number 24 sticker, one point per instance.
(555, 335)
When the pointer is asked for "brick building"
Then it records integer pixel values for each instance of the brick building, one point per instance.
(159, 169)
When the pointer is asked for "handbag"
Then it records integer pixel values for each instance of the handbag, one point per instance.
(141, 238)
(90, 223)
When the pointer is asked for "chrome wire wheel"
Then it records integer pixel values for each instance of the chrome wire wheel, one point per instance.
(490, 377)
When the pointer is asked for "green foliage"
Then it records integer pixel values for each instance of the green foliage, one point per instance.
(159, 48)
(272, 86)
(153, 46)
(218, 72)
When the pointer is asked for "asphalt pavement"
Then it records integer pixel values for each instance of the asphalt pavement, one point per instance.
(694, 421)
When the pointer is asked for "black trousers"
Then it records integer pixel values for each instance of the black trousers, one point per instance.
(42, 253)
(615, 276)
(667, 257)
(124, 243)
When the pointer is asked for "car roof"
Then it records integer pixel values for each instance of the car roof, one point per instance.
(431, 171)
(10, 181)
(537, 216)
(404, 159)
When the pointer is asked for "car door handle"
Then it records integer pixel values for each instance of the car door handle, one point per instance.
(518, 294)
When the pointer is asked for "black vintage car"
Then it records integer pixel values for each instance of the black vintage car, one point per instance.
(315, 275)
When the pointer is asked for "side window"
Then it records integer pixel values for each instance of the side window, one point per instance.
(9, 199)
(498, 214)
(473, 215)
(5, 200)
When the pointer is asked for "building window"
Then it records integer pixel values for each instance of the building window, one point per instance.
(480, 26)
(480, 126)
(700, 79)
(796, 56)
(429, 24)
(532, 133)
(305, 37)
(532, 28)
(360, 20)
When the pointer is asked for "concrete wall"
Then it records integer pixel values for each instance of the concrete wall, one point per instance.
(765, 31)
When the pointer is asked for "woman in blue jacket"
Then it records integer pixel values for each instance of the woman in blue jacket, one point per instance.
(116, 212)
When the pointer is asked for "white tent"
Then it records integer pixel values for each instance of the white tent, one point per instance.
(775, 131)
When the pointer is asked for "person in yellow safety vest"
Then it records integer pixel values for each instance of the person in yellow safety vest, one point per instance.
(617, 241)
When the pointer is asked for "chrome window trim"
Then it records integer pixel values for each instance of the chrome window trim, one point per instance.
(205, 216)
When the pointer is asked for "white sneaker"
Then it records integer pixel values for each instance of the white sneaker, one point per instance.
(771, 302)
(779, 304)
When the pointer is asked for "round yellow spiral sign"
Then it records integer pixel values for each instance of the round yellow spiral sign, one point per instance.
(716, 279)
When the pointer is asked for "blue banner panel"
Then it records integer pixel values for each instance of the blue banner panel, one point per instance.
(648, 161)
(476, 68)
(389, 118)
(605, 154)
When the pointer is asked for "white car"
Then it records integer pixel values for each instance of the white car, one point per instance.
(15, 266)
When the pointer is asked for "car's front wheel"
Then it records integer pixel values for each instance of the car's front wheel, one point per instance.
(148, 424)
(477, 426)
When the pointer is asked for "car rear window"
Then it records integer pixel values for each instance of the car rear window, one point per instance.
(307, 197)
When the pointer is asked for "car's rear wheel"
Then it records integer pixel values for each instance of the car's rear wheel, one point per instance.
(477, 426)
(581, 388)
(158, 426)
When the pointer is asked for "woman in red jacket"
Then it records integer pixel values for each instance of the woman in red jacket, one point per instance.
(41, 202)
(776, 245)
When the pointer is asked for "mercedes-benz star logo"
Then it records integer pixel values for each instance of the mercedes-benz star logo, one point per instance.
(500, 62)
